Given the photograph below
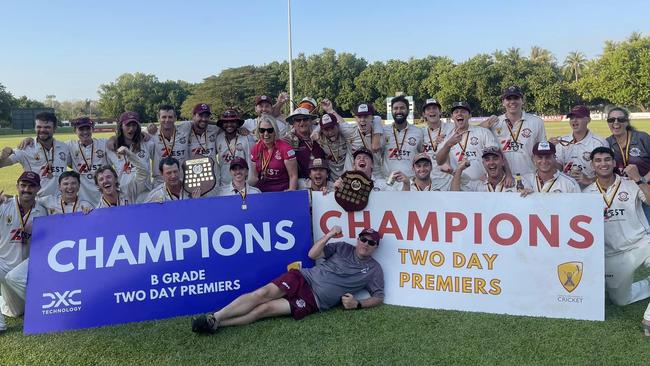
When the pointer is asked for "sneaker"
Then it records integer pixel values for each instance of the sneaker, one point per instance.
(204, 324)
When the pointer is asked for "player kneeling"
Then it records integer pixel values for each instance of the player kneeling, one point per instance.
(346, 269)
(627, 233)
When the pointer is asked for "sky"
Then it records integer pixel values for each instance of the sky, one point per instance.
(68, 48)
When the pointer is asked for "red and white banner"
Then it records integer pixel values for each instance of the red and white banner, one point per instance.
(541, 255)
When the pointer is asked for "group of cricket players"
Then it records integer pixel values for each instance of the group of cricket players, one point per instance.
(312, 148)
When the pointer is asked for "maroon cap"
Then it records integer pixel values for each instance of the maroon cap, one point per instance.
(328, 120)
(238, 161)
(30, 177)
(372, 233)
(82, 121)
(492, 150)
(578, 111)
(229, 114)
(363, 150)
(263, 98)
(129, 116)
(201, 108)
(318, 164)
(544, 148)
(512, 90)
(364, 109)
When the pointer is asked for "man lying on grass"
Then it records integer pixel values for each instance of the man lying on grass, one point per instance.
(346, 269)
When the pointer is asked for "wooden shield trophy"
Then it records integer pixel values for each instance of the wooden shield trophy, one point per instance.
(355, 191)
(199, 173)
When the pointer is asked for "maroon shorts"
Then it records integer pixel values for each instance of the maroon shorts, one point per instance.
(298, 293)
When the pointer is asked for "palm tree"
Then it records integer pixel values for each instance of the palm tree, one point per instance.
(635, 36)
(513, 54)
(541, 55)
(574, 64)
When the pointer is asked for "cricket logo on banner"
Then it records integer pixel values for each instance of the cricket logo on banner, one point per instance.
(570, 274)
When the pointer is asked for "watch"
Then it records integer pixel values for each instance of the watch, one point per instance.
(642, 181)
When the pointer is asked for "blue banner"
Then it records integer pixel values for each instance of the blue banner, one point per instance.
(155, 261)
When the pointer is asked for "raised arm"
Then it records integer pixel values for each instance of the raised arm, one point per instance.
(316, 251)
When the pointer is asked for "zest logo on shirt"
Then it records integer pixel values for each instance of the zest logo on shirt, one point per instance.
(394, 153)
(18, 235)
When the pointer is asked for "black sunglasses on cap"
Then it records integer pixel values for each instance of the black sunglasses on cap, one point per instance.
(370, 242)
(617, 119)
(263, 130)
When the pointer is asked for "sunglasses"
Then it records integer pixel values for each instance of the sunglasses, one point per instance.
(301, 119)
(269, 130)
(370, 242)
(617, 119)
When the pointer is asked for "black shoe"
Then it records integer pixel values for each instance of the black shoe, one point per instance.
(204, 324)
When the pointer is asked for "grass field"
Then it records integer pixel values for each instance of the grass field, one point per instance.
(385, 335)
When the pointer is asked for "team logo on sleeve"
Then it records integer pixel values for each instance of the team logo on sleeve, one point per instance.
(300, 303)
(526, 132)
(635, 151)
(570, 274)
(623, 196)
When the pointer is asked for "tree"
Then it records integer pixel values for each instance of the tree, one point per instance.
(541, 55)
(141, 93)
(620, 76)
(634, 36)
(574, 64)
(328, 75)
(6, 102)
(237, 87)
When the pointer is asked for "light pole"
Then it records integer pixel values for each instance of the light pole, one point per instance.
(51, 98)
(290, 60)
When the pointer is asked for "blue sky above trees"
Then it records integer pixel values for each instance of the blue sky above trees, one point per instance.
(69, 48)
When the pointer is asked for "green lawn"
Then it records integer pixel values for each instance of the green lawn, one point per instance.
(385, 335)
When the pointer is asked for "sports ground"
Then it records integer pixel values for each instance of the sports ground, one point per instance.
(384, 335)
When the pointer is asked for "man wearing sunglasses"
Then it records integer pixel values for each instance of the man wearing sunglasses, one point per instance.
(346, 269)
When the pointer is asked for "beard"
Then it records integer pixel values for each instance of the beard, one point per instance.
(400, 118)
